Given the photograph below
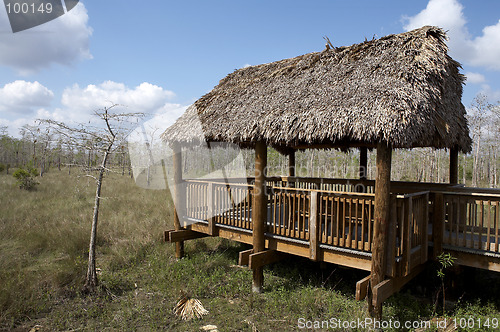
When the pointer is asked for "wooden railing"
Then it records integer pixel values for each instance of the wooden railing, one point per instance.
(319, 218)
(408, 232)
(289, 212)
(346, 220)
(468, 221)
(226, 204)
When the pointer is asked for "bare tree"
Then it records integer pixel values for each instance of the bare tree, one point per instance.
(102, 140)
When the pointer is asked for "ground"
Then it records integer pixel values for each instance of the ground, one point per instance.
(43, 251)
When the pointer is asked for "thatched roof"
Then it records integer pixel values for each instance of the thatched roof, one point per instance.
(403, 89)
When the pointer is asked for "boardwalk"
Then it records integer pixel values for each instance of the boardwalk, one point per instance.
(329, 220)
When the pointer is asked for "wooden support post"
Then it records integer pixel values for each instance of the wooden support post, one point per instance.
(453, 166)
(291, 163)
(313, 226)
(259, 211)
(363, 162)
(291, 168)
(178, 199)
(381, 221)
(438, 225)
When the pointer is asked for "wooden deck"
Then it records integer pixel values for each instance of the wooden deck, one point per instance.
(331, 220)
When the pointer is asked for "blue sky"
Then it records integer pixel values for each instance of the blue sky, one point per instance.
(160, 56)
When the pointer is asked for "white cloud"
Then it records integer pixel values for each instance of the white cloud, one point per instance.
(146, 97)
(483, 50)
(32, 100)
(475, 78)
(64, 40)
(22, 97)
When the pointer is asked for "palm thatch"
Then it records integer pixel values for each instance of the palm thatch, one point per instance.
(401, 89)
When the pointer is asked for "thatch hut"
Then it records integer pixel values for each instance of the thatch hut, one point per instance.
(399, 91)
(402, 89)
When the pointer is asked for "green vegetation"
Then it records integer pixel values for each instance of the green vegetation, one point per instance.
(26, 177)
(44, 238)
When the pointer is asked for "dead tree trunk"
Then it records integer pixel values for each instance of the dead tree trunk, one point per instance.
(91, 279)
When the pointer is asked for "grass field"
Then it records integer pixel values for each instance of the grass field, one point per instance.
(43, 254)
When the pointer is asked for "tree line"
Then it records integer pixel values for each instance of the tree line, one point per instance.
(44, 148)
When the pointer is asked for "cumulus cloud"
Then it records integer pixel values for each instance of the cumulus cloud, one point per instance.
(475, 78)
(482, 50)
(146, 97)
(64, 40)
(22, 97)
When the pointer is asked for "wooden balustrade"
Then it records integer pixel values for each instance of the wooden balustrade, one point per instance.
(342, 220)
(471, 221)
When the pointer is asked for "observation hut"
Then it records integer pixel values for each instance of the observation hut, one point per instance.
(398, 92)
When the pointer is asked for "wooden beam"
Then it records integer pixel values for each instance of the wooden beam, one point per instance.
(178, 199)
(386, 288)
(313, 226)
(260, 259)
(381, 220)
(184, 234)
(244, 257)
(453, 166)
(476, 260)
(363, 162)
(259, 211)
(362, 288)
(166, 236)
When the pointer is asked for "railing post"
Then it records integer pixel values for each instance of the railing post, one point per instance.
(425, 221)
(313, 226)
(210, 209)
(407, 237)
(438, 224)
(391, 241)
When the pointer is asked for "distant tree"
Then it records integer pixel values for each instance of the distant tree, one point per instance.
(477, 120)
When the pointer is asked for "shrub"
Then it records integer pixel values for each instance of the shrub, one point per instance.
(2, 168)
(26, 177)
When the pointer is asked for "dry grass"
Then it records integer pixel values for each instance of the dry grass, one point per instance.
(44, 236)
(43, 247)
